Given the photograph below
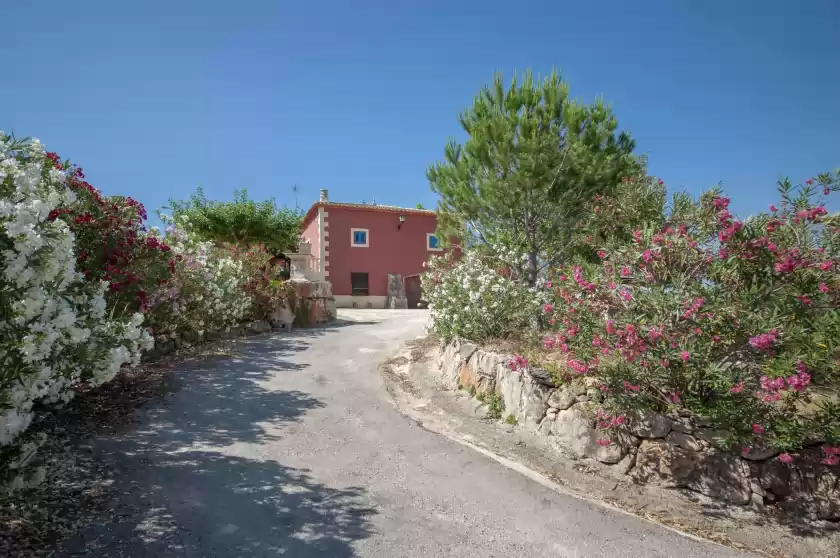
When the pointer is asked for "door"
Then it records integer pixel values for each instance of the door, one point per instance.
(413, 291)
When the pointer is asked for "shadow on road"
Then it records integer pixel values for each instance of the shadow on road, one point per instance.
(183, 486)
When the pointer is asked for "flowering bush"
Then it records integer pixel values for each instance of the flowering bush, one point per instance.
(206, 290)
(734, 321)
(478, 297)
(111, 243)
(55, 333)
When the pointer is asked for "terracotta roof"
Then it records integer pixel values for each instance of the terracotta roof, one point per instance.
(364, 207)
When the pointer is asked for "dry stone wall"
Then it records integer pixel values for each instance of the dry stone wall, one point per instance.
(668, 451)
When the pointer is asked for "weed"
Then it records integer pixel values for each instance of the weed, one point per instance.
(495, 406)
(511, 420)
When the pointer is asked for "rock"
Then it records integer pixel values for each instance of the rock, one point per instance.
(566, 395)
(684, 441)
(593, 394)
(532, 404)
(715, 438)
(755, 486)
(545, 425)
(212, 336)
(466, 350)
(626, 465)
(575, 431)
(282, 316)
(682, 425)
(759, 453)
(649, 424)
(507, 427)
(480, 371)
(562, 398)
(582, 398)
(610, 454)
(542, 376)
(811, 488)
(757, 503)
(449, 365)
(715, 474)
(178, 341)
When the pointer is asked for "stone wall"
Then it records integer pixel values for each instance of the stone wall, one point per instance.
(669, 451)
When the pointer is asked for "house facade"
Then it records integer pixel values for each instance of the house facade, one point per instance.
(357, 246)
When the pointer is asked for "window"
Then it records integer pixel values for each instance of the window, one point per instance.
(432, 243)
(359, 284)
(359, 238)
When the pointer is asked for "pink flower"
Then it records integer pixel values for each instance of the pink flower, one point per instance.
(785, 457)
(619, 420)
(825, 266)
(723, 253)
(773, 208)
(685, 356)
(630, 387)
(715, 338)
(720, 202)
(831, 460)
(610, 327)
(625, 295)
(518, 362)
(602, 254)
(757, 428)
(603, 442)
(665, 363)
(654, 334)
(674, 397)
(826, 191)
(823, 288)
(737, 388)
(625, 271)
(647, 256)
(764, 341)
(809, 181)
(548, 284)
(548, 308)
(804, 299)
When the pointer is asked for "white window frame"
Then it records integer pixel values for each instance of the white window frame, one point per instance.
(353, 238)
(429, 243)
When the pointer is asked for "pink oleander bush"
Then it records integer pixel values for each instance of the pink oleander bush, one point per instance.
(695, 311)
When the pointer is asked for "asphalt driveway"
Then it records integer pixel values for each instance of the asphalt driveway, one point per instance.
(293, 448)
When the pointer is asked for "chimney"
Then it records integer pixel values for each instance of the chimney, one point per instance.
(325, 197)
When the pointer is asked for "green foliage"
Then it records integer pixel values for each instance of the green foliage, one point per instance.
(511, 420)
(532, 159)
(420, 206)
(471, 391)
(495, 405)
(242, 221)
(475, 297)
(734, 321)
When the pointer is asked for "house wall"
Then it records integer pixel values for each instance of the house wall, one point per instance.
(390, 250)
(311, 233)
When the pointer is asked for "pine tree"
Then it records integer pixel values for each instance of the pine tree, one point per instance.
(534, 157)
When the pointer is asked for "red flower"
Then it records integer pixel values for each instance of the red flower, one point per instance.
(757, 428)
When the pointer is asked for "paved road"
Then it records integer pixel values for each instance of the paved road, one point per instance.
(293, 449)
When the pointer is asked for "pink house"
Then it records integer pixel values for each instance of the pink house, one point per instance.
(356, 246)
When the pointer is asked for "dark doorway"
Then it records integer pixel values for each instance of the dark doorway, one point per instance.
(359, 284)
(413, 291)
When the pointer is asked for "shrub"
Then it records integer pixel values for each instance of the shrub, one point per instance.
(478, 297)
(206, 290)
(735, 321)
(55, 333)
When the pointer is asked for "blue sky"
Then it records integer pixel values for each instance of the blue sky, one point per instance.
(155, 98)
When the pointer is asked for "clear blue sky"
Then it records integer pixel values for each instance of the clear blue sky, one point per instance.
(155, 98)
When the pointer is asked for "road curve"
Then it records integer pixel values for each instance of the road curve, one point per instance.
(292, 448)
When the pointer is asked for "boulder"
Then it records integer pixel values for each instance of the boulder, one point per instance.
(685, 441)
(803, 485)
(575, 431)
(715, 474)
(649, 424)
(449, 364)
(524, 398)
(542, 376)
(481, 371)
(566, 395)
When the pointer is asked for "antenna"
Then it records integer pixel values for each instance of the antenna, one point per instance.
(295, 190)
